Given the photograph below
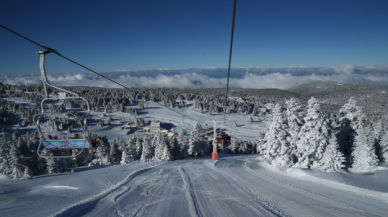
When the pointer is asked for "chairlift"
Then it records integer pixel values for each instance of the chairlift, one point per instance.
(64, 144)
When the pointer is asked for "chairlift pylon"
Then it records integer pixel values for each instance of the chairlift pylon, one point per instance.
(66, 144)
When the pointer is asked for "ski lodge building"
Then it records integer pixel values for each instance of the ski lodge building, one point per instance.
(154, 126)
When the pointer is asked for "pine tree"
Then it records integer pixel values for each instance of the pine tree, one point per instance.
(352, 119)
(276, 143)
(175, 149)
(242, 147)
(28, 174)
(295, 118)
(115, 154)
(128, 156)
(121, 144)
(363, 154)
(102, 155)
(139, 148)
(233, 147)
(192, 147)
(160, 142)
(16, 163)
(5, 161)
(197, 129)
(166, 154)
(184, 148)
(313, 136)
(332, 159)
(379, 133)
(52, 163)
(260, 143)
(147, 151)
(384, 146)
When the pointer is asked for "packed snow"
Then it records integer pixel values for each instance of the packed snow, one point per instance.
(235, 185)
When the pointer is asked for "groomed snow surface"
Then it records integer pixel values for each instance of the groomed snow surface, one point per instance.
(235, 185)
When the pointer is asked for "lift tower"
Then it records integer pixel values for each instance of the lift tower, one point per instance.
(214, 154)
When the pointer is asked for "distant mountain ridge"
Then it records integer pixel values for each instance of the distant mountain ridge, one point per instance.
(333, 95)
(320, 87)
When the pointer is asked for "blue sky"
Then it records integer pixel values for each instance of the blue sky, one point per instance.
(146, 35)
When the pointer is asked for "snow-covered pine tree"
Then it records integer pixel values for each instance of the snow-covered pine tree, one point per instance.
(115, 153)
(121, 144)
(36, 163)
(147, 154)
(384, 146)
(276, 143)
(332, 158)
(5, 161)
(260, 143)
(167, 154)
(242, 147)
(202, 146)
(233, 147)
(192, 147)
(52, 163)
(197, 129)
(313, 137)
(160, 142)
(295, 116)
(175, 148)
(16, 162)
(184, 147)
(352, 119)
(363, 153)
(379, 133)
(128, 156)
(139, 147)
(131, 144)
(102, 155)
(28, 174)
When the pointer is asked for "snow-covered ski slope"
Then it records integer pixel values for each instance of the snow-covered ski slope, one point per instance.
(236, 185)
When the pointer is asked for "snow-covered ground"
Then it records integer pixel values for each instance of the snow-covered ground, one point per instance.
(235, 185)
(245, 130)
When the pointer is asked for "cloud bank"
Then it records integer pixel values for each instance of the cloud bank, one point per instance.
(277, 77)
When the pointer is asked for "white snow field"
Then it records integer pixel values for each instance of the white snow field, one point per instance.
(235, 185)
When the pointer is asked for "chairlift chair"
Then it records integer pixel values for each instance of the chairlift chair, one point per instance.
(65, 144)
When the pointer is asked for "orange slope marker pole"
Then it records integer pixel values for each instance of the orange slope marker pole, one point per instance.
(214, 154)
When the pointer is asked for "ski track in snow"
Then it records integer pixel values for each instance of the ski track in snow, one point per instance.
(334, 190)
(84, 206)
(270, 207)
(302, 189)
(190, 194)
(235, 185)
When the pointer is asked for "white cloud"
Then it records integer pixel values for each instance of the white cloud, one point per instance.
(347, 69)
(281, 77)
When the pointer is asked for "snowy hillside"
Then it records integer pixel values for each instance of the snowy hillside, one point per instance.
(284, 158)
(236, 185)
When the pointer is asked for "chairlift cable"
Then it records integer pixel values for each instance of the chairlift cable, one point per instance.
(54, 51)
(230, 56)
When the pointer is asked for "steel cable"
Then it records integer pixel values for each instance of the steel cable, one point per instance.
(230, 57)
(54, 51)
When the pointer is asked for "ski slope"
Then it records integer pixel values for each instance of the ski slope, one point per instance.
(235, 185)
